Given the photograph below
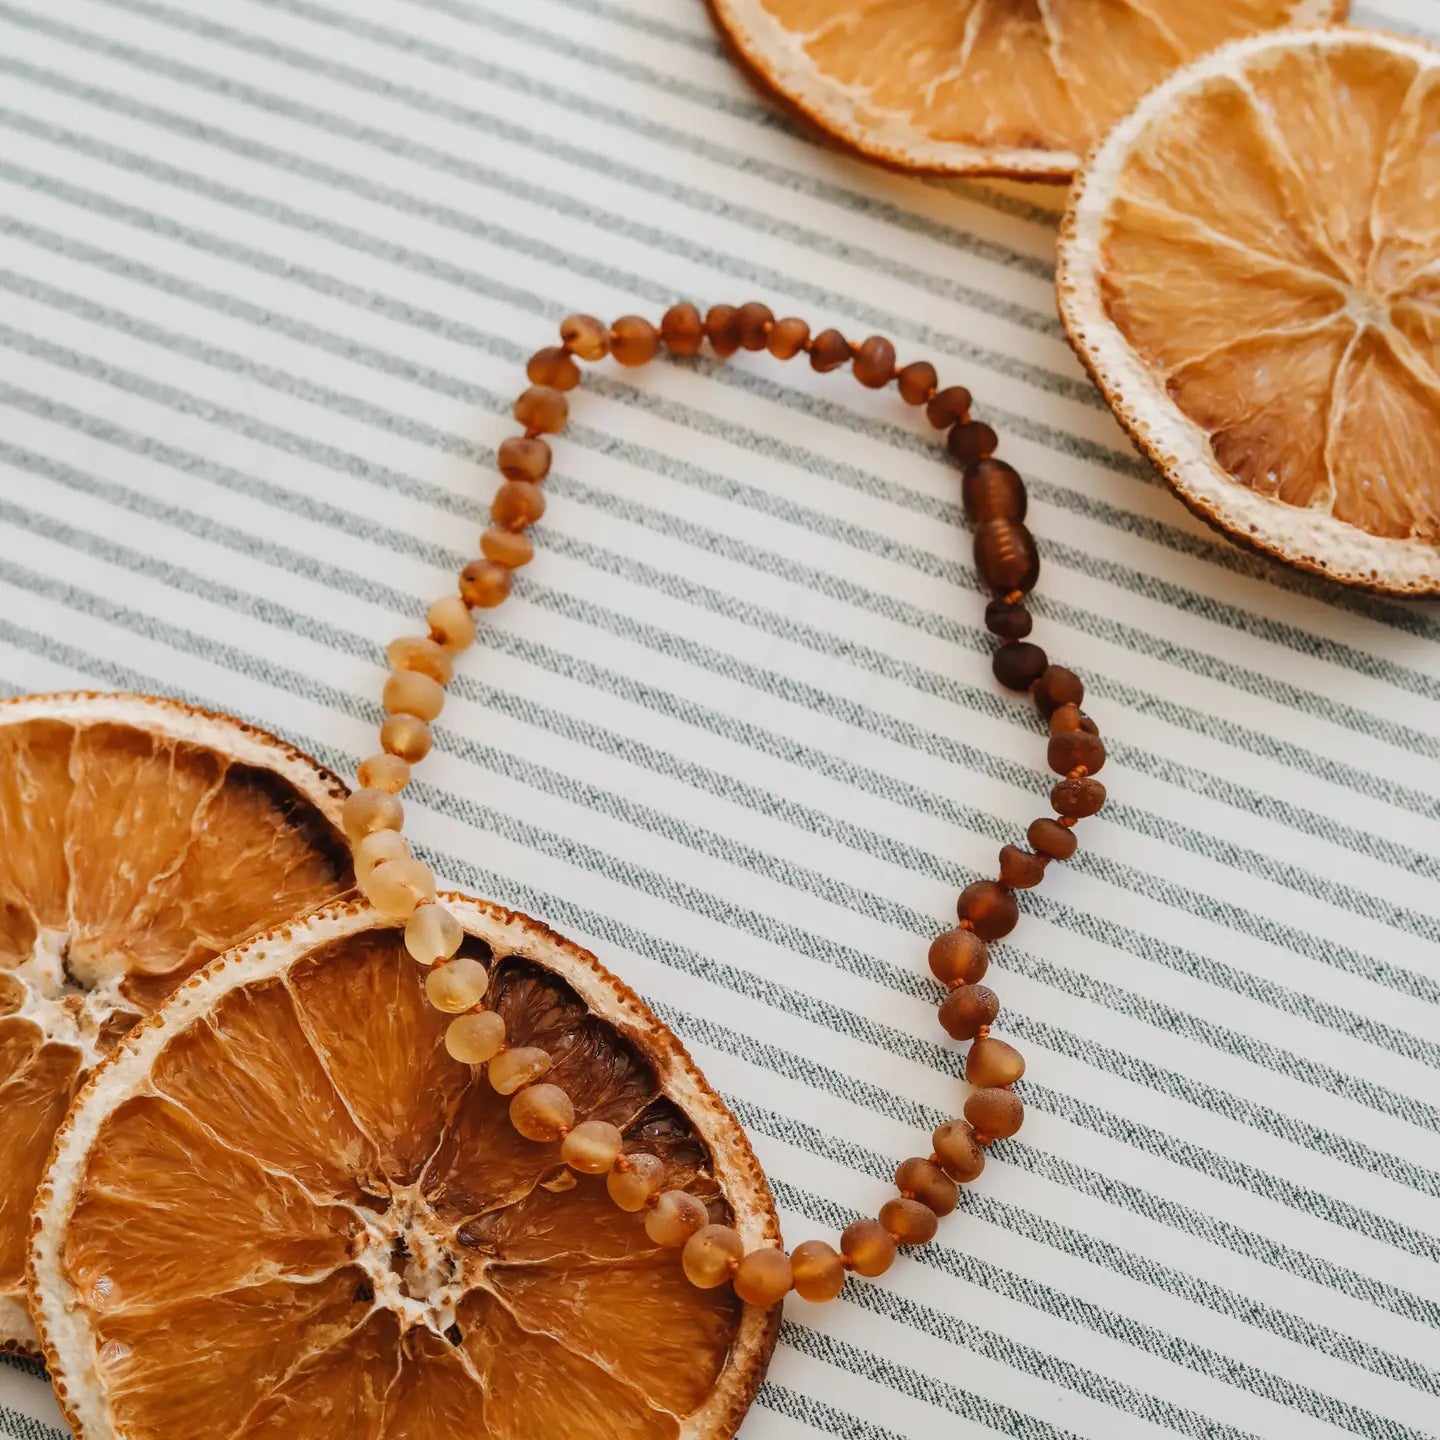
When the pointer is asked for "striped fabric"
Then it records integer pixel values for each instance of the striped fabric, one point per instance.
(268, 275)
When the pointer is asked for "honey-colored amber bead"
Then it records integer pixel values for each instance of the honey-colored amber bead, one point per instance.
(755, 322)
(513, 1069)
(989, 908)
(763, 1277)
(407, 737)
(458, 985)
(966, 1009)
(817, 1271)
(524, 457)
(682, 329)
(475, 1038)
(711, 1255)
(1074, 750)
(510, 548)
(432, 934)
(543, 409)
(1051, 838)
(1019, 869)
(993, 1062)
(829, 350)
(1065, 717)
(959, 1154)
(368, 810)
(908, 1221)
(542, 1112)
(1017, 666)
(553, 366)
(875, 363)
(949, 407)
(1009, 619)
(376, 848)
(1005, 556)
(868, 1248)
(421, 654)
(788, 338)
(585, 336)
(634, 340)
(592, 1147)
(674, 1217)
(996, 1113)
(722, 329)
(407, 692)
(517, 505)
(1076, 799)
(992, 490)
(633, 1179)
(1056, 687)
(971, 442)
(484, 584)
(958, 957)
(917, 382)
(398, 886)
(923, 1180)
(384, 772)
(450, 624)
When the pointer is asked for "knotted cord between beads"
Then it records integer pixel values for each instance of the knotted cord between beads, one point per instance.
(403, 889)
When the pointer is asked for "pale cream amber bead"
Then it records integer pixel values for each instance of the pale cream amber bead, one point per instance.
(368, 810)
(449, 620)
(513, 1069)
(376, 848)
(458, 984)
(384, 772)
(592, 1147)
(421, 654)
(475, 1038)
(634, 1179)
(432, 934)
(542, 1112)
(711, 1255)
(398, 886)
(674, 1217)
(406, 736)
(407, 692)
(763, 1277)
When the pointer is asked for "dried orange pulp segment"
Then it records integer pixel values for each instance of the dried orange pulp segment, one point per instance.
(1250, 268)
(280, 1209)
(138, 839)
(983, 87)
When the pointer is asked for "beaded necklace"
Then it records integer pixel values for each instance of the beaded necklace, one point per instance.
(403, 888)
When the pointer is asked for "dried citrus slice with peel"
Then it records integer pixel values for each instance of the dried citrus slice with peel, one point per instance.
(982, 87)
(138, 839)
(280, 1208)
(1250, 268)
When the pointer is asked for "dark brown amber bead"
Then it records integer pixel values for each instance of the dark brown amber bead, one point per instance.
(788, 338)
(510, 548)
(867, 1247)
(875, 363)
(949, 407)
(585, 336)
(917, 382)
(634, 340)
(542, 408)
(991, 909)
(958, 1151)
(682, 329)
(1010, 620)
(1059, 686)
(908, 1221)
(484, 584)
(1005, 556)
(1017, 667)
(1051, 838)
(995, 1113)
(829, 350)
(1088, 725)
(517, 505)
(971, 442)
(523, 458)
(1073, 750)
(553, 366)
(993, 1062)
(966, 1009)
(1078, 798)
(722, 329)
(1019, 869)
(755, 322)
(923, 1180)
(958, 957)
(991, 490)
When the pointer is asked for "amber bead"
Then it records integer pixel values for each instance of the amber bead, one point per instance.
(971, 442)
(553, 366)
(585, 336)
(1019, 869)
(406, 736)
(674, 1217)
(923, 1180)
(722, 329)
(788, 338)
(908, 1221)
(875, 363)
(1059, 686)
(384, 772)
(1005, 556)
(517, 505)
(1078, 798)
(755, 322)
(993, 1062)
(917, 382)
(682, 329)
(513, 1069)
(450, 623)
(967, 1008)
(592, 1147)
(958, 957)
(959, 1153)
(868, 1248)
(473, 1039)
(1088, 725)
(368, 810)
(711, 1255)
(457, 986)
(634, 1179)
(542, 1112)
(1064, 717)
(991, 490)
(989, 908)
(763, 1277)
(829, 350)
(484, 584)
(1018, 666)
(524, 457)
(407, 692)
(634, 340)
(817, 1271)
(1074, 750)
(1009, 619)
(995, 1113)
(1051, 838)
(422, 654)
(510, 548)
(542, 408)
(948, 407)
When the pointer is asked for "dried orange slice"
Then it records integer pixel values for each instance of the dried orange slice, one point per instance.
(1250, 268)
(982, 87)
(280, 1208)
(138, 839)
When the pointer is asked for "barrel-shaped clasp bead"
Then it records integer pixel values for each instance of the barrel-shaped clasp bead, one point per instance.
(1005, 556)
(993, 490)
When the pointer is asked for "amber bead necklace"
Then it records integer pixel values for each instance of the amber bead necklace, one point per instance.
(403, 888)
